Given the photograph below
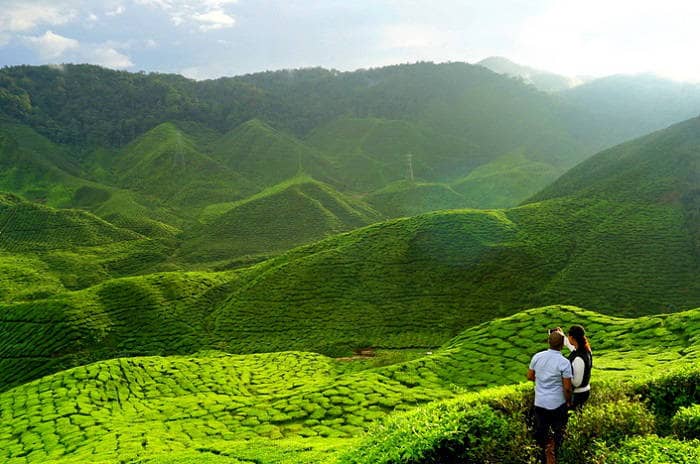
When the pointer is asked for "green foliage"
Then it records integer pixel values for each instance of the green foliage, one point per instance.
(686, 422)
(607, 424)
(654, 450)
(453, 431)
(668, 394)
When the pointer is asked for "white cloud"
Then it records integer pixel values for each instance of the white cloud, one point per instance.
(92, 17)
(108, 57)
(119, 10)
(209, 14)
(215, 19)
(51, 46)
(18, 16)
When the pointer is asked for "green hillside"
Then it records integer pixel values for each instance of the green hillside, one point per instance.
(295, 212)
(500, 183)
(413, 282)
(44, 250)
(371, 153)
(48, 173)
(452, 117)
(36, 168)
(406, 283)
(191, 407)
(165, 163)
(265, 156)
(406, 198)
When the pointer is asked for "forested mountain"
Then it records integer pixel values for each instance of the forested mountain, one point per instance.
(354, 130)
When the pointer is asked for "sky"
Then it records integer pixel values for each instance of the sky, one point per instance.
(204, 39)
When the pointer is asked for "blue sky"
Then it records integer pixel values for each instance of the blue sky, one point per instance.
(212, 38)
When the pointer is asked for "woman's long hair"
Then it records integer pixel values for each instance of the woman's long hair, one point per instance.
(579, 335)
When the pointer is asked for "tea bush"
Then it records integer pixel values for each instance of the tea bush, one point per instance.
(608, 424)
(686, 422)
(654, 450)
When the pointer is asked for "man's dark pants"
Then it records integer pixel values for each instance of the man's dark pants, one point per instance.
(546, 419)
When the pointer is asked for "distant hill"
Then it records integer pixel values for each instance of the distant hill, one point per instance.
(406, 198)
(231, 137)
(371, 153)
(265, 156)
(292, 213)
(497, 183)
(543, 80)
(628, 106)
(166, 163)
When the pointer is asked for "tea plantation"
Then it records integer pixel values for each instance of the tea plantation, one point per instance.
(140, 407)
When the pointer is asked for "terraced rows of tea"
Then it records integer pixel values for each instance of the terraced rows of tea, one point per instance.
(405, 283)
(131, 408)
(46, 250)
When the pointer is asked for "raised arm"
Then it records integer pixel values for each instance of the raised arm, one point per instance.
(531, 375)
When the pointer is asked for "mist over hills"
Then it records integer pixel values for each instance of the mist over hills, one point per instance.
(543, 80)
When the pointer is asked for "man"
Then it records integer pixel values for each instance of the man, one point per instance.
(551, 372)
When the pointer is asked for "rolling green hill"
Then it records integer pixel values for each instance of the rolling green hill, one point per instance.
(499, 183)
(194, 406)
(48, 173)
(412, 282)
(165, 163)
(371, 153)
(44, 251)
(406, 198)
(295, 212)
(265, 156)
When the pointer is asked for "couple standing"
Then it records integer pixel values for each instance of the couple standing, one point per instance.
(560, 384)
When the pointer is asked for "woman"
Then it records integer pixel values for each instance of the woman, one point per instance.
(581, 360)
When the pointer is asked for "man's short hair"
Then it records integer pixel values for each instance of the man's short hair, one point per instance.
(556, 340)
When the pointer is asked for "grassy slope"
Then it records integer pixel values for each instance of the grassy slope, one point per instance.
(167, 164)
(45, 250)
(371, 153)
(266, 156)
(505, 182)
(405, 283)
(115, 409)
(294, 212)
(40, 170)
(406, 198)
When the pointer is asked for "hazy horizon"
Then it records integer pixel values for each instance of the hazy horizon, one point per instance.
(214, 38)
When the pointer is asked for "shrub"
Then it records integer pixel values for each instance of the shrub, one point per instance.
(654, 450)
(605, 425)
(453, 431)
(686, 422)
(666, 394)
